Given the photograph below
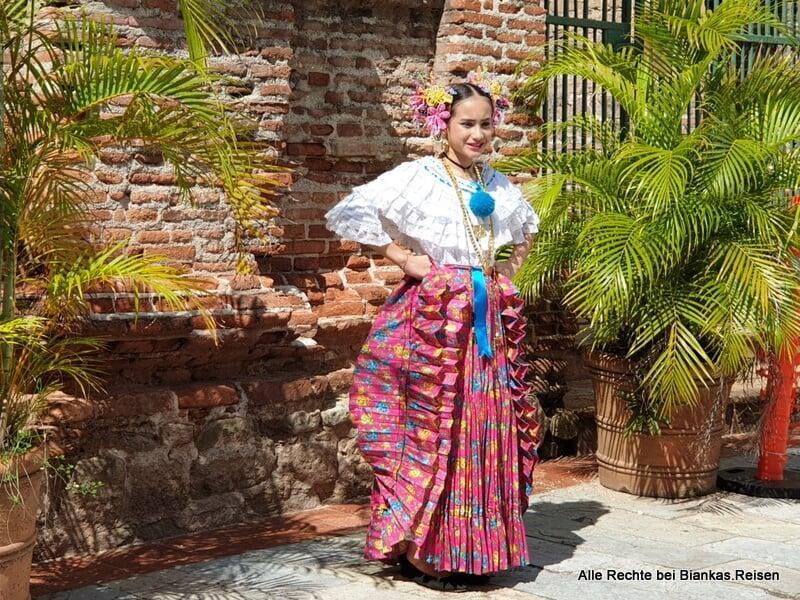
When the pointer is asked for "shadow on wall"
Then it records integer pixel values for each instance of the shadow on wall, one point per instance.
(352, 66)
(329, 89)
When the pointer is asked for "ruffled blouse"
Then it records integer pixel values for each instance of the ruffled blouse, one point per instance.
(414, 204)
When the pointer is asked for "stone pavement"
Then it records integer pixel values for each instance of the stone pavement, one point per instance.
(584, 528)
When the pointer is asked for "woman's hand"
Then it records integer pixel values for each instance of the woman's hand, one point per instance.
(414, 265)
(417, 265)
(513, 263)
(504, 268)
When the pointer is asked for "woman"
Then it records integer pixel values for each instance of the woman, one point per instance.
(439, 396)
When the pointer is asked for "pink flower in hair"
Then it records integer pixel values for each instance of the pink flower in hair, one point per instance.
(418, 100)
(436, 121)
(497, 117)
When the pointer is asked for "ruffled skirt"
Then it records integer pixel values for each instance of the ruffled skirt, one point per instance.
(449, 434)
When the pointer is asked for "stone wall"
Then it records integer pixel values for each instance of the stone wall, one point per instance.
(193, 435)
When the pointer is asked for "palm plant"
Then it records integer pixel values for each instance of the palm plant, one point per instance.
(674, 242)
(69, 91)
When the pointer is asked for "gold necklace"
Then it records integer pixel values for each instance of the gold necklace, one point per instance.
(484, 259)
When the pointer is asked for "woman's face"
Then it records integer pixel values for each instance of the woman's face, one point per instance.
(470, 129)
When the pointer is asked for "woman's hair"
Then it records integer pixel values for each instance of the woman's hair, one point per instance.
(462, 91)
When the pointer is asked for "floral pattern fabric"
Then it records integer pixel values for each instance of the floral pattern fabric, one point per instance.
(451, 436)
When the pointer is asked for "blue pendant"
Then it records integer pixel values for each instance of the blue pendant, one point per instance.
(481, 203)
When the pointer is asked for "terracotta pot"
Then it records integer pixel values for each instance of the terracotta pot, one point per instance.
(681, 462)
(18, 523)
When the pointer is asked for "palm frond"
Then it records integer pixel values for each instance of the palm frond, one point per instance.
(750, 269)
(36, 364)
(209, 25)
(14, 14)
(92, 71)
(578, 56)
(681, 367)
(677, 248)
(618, 262)
(658, 175)
(68, 283)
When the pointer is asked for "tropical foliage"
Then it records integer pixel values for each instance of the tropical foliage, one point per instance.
(673, 242)
(69, 91)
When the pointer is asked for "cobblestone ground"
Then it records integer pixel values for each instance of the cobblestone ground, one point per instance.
(575, 534)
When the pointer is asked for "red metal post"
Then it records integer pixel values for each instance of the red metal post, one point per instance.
(775, 432)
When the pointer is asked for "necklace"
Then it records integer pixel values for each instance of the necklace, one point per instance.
(458, 163)
(485, 259)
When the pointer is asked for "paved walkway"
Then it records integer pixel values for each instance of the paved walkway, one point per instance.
(576, 534)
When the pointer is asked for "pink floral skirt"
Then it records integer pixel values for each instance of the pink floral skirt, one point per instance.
(449, 434)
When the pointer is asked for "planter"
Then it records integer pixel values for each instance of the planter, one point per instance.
(681, 462)
(18, 524)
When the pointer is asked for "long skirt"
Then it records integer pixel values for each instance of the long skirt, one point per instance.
(450, 435)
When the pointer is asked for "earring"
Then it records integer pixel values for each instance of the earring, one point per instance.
(445, 146)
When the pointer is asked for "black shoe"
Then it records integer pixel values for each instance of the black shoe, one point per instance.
(450, 583)
(472, 579)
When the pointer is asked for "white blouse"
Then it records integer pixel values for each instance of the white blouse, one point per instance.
(414, 204)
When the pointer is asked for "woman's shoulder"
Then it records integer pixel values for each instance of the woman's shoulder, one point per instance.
(498, 181)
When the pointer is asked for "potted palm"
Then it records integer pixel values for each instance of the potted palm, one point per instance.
(68, 92)
(671, 238)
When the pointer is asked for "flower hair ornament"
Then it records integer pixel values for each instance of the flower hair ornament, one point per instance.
(431, 104)
(495, 89)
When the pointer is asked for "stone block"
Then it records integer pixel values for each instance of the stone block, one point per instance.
(305, 391)
(136, 402)
(304, 422)
(206, 396)
(312, 462)
(355, 474)
(157, 484)
(232, 456)
(336, 332)
(63, 408)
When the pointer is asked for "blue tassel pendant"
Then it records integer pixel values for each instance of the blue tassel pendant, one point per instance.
(480, 308)
(481, 203)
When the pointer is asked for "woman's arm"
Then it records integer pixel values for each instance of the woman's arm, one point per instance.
(512, 264)
(416, 265)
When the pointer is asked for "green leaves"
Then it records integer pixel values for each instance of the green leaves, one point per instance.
(90, 71)
(68, 281)
(36, 361)
(95, 95)
(675, 243)
(209, 25)
(577, 55)
(657, 175)
(71, 91)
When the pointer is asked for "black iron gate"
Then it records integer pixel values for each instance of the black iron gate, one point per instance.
(609, 22)
(606, 21)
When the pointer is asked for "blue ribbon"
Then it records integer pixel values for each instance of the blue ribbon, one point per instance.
(481, 308)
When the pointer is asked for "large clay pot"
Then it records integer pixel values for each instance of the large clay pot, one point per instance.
(681, 462)
(18, 522)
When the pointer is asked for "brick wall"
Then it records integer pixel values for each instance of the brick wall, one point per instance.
(191, 435)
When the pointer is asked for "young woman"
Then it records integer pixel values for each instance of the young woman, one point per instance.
(439, 396)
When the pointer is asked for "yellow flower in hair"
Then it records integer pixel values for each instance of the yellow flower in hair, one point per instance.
(436, 95)
(496, 88)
